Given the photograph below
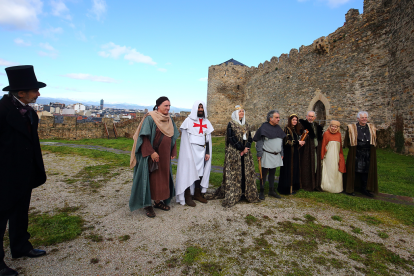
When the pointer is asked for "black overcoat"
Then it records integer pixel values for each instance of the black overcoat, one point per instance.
(21, 162)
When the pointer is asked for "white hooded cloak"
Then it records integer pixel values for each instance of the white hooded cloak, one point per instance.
(195, 133)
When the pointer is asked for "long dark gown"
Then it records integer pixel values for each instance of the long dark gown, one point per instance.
(290, 171)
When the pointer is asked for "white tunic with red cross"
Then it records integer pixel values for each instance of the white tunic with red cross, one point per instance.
(198, 130)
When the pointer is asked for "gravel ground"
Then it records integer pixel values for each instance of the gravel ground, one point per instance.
(157, 246)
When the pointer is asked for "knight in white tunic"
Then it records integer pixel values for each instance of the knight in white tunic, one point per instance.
(194, 161)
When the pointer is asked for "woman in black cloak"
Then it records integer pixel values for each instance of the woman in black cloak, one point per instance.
(289, 180)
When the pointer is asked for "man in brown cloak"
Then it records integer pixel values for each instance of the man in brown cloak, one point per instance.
(361, 163)
(310, 158)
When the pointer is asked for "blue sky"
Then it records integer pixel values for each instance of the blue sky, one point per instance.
(136, 51)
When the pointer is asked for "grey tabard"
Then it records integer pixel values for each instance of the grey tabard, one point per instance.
(269, 160)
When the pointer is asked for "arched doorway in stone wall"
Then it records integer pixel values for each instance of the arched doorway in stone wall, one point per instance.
(320, 111)
(320, 104)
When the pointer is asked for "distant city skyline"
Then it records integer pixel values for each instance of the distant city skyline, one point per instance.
(135, 52)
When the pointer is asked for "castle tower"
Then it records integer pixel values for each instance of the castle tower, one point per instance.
(225, 91)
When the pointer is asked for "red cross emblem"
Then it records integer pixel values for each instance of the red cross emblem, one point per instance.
(200, 125)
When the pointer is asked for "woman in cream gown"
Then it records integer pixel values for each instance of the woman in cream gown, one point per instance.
(333, 162)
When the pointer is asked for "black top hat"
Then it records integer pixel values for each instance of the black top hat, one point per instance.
(22, 78)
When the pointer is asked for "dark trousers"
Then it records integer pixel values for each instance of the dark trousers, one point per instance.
(18, 219)
(364, 180)
(271, 179)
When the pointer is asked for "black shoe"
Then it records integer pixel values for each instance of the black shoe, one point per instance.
(261, 196)
(367, 193)
(7, 271)
(34, 253)
(274, 194)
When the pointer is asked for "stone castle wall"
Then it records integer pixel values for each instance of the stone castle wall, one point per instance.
(367, 64)
(71, 130)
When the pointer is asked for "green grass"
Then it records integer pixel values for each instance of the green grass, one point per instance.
(119, 143)
(48, 229)
(395, 171)
(191, 254)
(107, 157)
(375, 256)
(338, 218)
(399, 211)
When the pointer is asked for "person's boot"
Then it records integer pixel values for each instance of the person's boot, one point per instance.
(261, 194)
(189, 198)
(197, 194)
(7, 271)
(272, 192)
(365, 191)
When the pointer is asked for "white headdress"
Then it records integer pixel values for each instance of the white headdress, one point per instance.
(235, 115)
(194, 111)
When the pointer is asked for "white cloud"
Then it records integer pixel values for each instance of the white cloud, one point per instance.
(20, 14)
(50, 32)
(162, 70)
(98, 9)
(203, 79)
(65, 88)
(168, 63)
(132, 55)
(21, 42)
(50, 51)
(337, 3)
(4, 62)
(331, 3)
(59, 9)
(80, 76)
(47, 46)
(137, 57)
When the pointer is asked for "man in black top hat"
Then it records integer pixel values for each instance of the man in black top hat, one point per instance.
(21, 162)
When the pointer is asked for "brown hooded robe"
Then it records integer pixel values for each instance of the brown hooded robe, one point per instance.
(309, 179)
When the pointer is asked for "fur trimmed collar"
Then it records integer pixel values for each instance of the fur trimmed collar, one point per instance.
(308, 126)
(353, 134)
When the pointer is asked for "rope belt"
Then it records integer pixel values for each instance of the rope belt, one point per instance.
(275, 153)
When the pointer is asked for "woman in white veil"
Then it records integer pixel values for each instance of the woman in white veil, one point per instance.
(239, 179)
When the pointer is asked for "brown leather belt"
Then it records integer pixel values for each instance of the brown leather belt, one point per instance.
(275, 153)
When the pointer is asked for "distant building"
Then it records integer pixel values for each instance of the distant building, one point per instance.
(78, 107)
(68, 111)
(102, 104)
(60, 105)
(184, 113)
(37, 107)
(44, 113)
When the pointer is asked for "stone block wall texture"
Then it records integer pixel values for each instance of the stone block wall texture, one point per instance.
(71, 130)
(367, 64)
